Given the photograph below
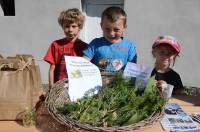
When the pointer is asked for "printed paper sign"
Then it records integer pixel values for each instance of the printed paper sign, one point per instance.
(82, 76)
(176, 120)
(140, 72)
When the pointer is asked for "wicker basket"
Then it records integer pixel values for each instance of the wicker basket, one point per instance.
(59, 95)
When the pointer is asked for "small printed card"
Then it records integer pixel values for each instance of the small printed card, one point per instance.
(176, 120)
(140, 72)
(82, 76)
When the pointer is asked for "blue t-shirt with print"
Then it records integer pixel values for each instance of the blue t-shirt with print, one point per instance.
(111, 56)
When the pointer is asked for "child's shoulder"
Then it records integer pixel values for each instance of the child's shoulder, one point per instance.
(127, 41)
(64, 41)
(173, 72)
(98, 41)
(81, 43)
(59, 41)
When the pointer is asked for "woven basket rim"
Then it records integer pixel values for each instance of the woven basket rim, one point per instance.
(77, 126)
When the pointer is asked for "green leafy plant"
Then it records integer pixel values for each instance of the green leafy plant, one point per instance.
(117, 104)
(29, 117)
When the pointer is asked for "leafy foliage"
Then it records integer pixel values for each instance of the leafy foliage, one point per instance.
(29, 117)
(115, 105)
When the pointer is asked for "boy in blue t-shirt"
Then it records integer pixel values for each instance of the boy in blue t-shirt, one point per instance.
(112, 51)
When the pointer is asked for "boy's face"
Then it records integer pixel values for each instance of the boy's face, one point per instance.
(112, 31)
(71, 30)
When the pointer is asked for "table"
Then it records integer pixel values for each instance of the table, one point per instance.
(46, 123)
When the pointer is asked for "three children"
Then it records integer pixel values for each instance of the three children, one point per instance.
(112, 51)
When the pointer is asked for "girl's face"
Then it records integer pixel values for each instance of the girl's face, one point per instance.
(113, 31)
(71, 31)
(164, 55)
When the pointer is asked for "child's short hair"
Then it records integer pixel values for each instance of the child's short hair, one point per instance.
(69, 16)
(114, 13)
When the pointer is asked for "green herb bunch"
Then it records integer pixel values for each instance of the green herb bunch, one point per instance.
(117, 104)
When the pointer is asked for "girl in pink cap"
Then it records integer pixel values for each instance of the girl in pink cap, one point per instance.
(165, 50)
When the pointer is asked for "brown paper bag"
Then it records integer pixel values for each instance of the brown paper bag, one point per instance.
(19, 89)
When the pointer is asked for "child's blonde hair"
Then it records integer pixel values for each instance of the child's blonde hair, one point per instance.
(69, 16)
(114, 13)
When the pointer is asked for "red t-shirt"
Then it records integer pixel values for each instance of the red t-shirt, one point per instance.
(56, 52)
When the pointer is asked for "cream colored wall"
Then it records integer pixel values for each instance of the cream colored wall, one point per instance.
(180, 18)
(33, 28)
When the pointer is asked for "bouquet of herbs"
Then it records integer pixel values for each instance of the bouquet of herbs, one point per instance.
(117, 104)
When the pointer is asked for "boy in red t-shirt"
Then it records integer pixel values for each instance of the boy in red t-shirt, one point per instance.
(71, 21)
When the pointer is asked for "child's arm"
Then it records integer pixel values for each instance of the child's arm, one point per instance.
(132, 54)
(51, 75)
(87, 58)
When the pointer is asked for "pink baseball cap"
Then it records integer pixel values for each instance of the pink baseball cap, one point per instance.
(168, 40)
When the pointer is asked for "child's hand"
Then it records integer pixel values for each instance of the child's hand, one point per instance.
(161, 84)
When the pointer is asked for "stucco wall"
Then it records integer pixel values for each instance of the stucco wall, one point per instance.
(180, 18)
(33, 29)
(35, 26)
